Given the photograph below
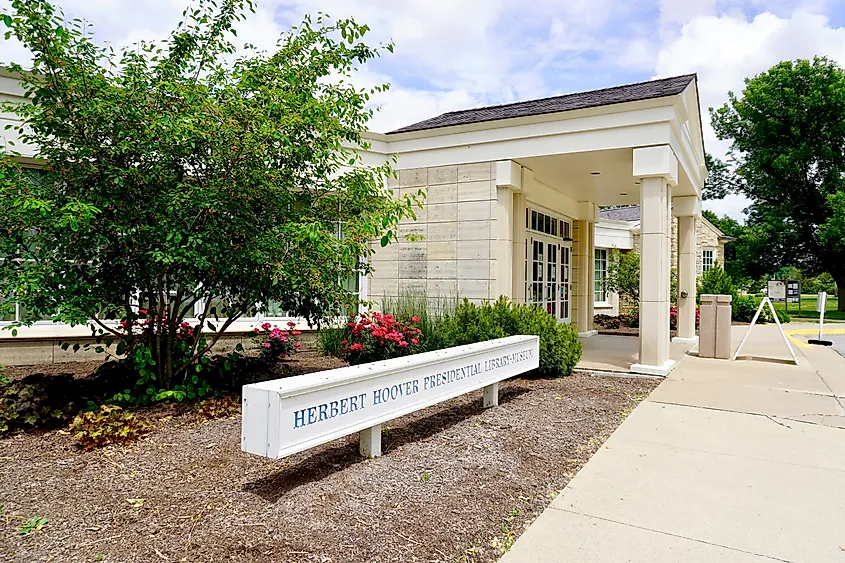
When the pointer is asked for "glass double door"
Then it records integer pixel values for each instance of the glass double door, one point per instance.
(548, 275)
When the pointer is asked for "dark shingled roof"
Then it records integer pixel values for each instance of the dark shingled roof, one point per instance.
(616, 95)
(627, 213)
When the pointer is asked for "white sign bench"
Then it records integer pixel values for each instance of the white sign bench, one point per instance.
(285, 416)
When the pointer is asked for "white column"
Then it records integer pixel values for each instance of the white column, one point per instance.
(508, 183)
(686, 278)
(503, 243)
(585, 256)
(658, 168)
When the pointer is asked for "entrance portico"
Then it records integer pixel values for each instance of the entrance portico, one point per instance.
(513, 198)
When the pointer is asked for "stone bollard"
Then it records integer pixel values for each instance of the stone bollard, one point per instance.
(715, 327)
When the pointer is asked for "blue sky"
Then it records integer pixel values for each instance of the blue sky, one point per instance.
(454, 54)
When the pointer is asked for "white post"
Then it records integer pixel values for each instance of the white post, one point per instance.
(686, 271)
(369, 441)
(654, 278)
(821, 306)
(491, 396)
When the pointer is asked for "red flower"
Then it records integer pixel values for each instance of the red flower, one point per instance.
(415, 341)
(357, 347)
(415, 319)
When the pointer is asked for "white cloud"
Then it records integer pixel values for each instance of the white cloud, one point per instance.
(725, 50)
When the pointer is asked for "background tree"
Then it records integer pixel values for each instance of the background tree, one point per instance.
(181, 180)
(623, 276)
(788, 153)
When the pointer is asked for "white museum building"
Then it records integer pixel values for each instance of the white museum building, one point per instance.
(513, 198)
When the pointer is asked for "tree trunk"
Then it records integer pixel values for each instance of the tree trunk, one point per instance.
(840, 286)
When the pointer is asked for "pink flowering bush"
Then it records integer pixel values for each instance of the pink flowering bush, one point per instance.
(378, 336)
(673, 317)
(276, 344)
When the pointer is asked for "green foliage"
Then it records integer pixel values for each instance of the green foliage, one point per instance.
(744, 308)
(331, 338)
(33, 403)
(431, 313)
(716, 282)
(623, 275)
(34, 524)
(472, 323)
(787, 131)
(560, 349)
(223, 407)
(822, 282)
(108, 425)
(190, 178)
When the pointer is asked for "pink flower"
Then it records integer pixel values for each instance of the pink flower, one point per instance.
(415, 319)
(402, 344)
(344, 342)
(415, 341)
(266, 344)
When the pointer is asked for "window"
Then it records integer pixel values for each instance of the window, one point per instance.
(546, 224)
(600, 287)
(708, 259)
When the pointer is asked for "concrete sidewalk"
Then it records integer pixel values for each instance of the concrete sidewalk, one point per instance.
(725, 461)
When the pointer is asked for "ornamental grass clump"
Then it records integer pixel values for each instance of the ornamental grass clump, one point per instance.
(376, 336)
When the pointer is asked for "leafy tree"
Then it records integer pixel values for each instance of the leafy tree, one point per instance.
(716, 282)
(623, 276)
(182, 180)
(788, 152)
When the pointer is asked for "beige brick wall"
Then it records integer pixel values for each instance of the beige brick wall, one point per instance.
(705, 238)
(455, 258)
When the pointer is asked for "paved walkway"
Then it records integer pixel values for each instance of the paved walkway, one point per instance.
(724, 462)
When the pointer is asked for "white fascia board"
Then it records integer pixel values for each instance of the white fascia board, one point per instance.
(504, 130)
(549, 145)
(687, 157)
(615, 224)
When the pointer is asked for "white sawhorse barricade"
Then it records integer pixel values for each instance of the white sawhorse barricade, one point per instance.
(285, 416)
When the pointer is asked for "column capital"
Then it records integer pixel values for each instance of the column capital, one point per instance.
(508, 175)
(587, 211)
(656, 162)
(686, 206)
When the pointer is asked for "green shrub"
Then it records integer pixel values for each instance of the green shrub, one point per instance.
(472, 323)
(108, 425)
(716, 282)
(745, 306)
(560, 349)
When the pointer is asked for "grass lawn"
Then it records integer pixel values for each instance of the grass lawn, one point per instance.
(808, 309)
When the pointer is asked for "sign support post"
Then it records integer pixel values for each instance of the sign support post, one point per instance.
(821, 306)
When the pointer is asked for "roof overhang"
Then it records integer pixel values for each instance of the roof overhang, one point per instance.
(550, 144)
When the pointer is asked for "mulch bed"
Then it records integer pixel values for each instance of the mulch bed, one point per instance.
(456, 483)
